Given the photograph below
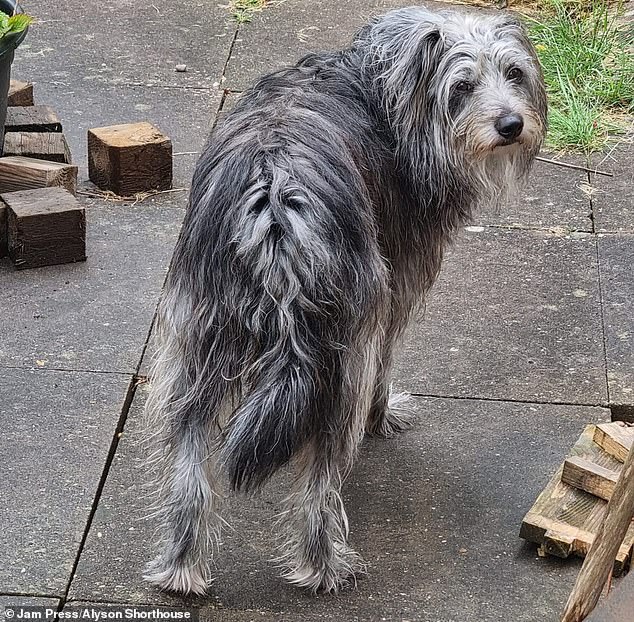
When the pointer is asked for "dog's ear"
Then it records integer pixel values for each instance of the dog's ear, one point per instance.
(430, 48)
(411, 62)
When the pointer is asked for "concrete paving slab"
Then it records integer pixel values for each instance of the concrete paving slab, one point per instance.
(126, 42)
(121, 516)
(94, 315)
(15, 602)
(57, 430)
(284, 32)
(515, 315)
(554, 198)
(613, 197)
(616, 258)
(435, 512)
(619, 604)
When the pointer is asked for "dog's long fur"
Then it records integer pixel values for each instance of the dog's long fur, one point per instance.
(318, 216)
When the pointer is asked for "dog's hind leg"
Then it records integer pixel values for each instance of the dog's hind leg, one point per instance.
(186, 401)
(315, 554)
(191, 524)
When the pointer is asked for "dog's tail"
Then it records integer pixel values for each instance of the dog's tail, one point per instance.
(295, 310)
(280, 410)
(299, 269)
(279, 257)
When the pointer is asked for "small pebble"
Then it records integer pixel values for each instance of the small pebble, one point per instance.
(181, 68)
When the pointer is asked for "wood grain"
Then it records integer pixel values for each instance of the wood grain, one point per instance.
(20, 93)
(32, 119)
(50, 146)
(615, 439)
(130, 158)
(571, 513)
(20, 173)
(588, 476)
(599, 560)
(46, 226)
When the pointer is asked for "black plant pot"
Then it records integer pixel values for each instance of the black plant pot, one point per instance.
(7, 46)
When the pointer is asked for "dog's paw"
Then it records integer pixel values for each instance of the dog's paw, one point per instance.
(329, 577)
(176, 576)
(396, 418)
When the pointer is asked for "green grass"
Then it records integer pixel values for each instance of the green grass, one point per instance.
(243, 10)
(588, 63)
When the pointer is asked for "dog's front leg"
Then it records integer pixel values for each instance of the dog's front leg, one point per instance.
(390, 412)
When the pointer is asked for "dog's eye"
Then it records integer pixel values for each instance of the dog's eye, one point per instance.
(515, 74)
(463, 87)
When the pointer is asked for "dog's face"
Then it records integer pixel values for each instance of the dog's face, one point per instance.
(488, 88)
(462, 92)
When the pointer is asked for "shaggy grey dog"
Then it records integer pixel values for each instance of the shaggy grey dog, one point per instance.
(318, 216)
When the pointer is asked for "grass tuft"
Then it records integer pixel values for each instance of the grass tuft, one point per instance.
(243, 10)
(587, 57)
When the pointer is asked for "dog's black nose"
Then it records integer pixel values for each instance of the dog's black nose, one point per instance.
(509, 126)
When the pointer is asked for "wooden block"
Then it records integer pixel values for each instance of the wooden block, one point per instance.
(3, 230)
(592, 478)
(19, 173)
(130, 158)
(32, 119)
(614, 438)
(42, 145)
(559, 544)
(568, 513)
(20, 93)
(46, 226)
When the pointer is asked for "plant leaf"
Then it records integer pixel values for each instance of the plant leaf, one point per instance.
(4, 23)
(18, 23)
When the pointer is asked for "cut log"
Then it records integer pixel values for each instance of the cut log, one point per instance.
(616, 439)
(19, 173)
(32, 119)
(50, 146)
(130, 158)
(592, 478)
(3, 230)
(598, 563)
(46, 226)
(20, 93)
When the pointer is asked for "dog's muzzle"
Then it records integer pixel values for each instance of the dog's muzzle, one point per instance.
(509, 127)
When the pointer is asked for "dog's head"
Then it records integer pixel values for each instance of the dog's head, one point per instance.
(465, 89)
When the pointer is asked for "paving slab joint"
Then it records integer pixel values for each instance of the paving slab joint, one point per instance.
(602, 316)
(622, 412)
(28, 595)
(129, 398)
(233, 42)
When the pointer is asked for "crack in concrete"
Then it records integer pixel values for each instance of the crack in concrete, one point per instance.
(512, 400)
(69, 370)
